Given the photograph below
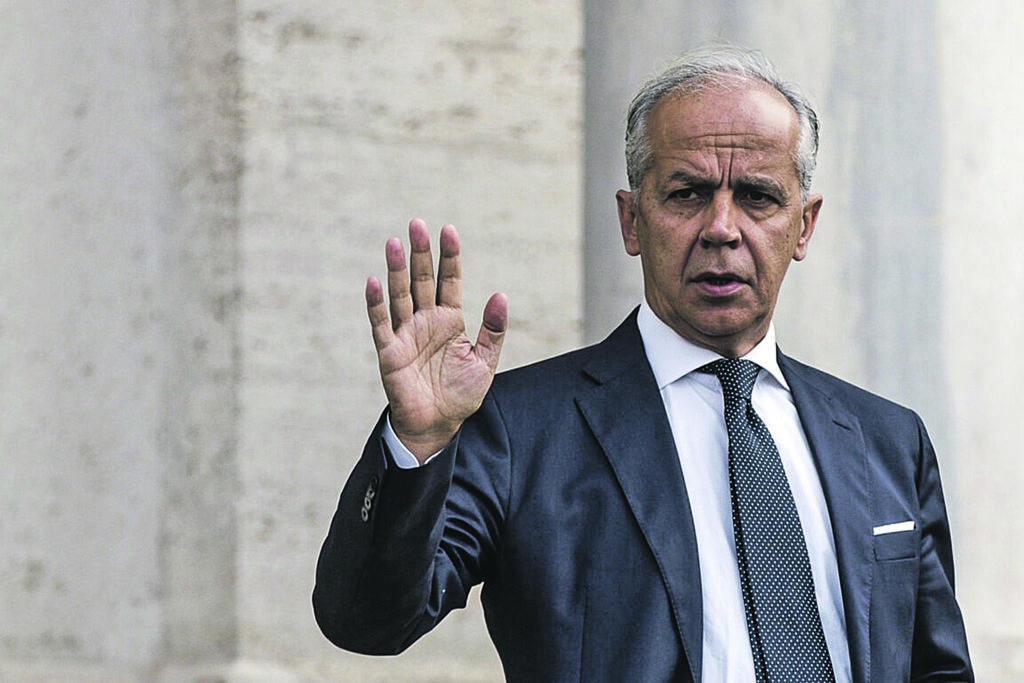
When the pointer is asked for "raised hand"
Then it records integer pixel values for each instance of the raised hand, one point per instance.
(434, 375)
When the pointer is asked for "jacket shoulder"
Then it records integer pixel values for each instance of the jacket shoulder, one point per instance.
(559, 370)
(859, 400)
(621, 352)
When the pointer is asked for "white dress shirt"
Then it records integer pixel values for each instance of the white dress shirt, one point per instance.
(695, 408)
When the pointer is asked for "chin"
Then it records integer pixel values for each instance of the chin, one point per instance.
(730, 331)
(720, 329)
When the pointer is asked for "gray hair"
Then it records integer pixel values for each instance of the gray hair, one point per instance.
(702, 69)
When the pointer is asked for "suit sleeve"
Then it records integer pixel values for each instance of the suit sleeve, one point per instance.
(405, 546)
(940, 642)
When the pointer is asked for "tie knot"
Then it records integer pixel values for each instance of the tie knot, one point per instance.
(736, 375)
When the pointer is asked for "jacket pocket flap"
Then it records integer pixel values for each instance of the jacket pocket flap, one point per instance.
(898, 546)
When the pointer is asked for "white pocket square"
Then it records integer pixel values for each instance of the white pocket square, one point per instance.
(894, 528)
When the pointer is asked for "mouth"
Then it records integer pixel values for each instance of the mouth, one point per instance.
(718, 284)
(717, 280)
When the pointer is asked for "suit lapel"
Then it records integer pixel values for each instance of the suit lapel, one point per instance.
(625, 411)
(837, 446)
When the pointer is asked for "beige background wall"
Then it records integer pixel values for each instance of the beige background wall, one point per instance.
(192, 194)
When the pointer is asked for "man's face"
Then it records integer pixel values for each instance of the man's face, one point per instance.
(719, 216)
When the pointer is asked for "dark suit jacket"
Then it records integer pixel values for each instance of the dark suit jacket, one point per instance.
(563, 494)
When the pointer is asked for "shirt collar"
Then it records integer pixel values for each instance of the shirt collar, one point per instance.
(672, 357)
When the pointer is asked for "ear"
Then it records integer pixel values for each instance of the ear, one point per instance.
(807, 222)
(628, 216)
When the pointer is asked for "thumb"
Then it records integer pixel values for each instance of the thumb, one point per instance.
(492, 330)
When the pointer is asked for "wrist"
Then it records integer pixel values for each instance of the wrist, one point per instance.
(424, 445)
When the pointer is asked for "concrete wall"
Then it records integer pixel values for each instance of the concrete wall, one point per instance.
(192, 193)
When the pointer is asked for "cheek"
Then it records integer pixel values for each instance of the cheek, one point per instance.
(662, 261)
(773, 261)
(670, 254)
(776, 270)
(667, 233)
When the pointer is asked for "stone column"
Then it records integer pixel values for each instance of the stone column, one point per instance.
(117, 323)
(982, 295)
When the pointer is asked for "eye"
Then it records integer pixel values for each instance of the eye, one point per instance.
(759, 198)
(684, 194)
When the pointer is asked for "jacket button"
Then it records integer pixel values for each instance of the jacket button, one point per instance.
(371, 491)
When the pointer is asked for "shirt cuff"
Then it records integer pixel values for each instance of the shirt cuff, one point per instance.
(403, 458)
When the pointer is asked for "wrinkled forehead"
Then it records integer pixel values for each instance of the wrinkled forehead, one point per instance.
(734, 115)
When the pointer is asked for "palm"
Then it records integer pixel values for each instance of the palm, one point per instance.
(430, 371)
(434, 375)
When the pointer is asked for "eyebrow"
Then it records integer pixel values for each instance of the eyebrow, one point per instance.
(763, 184)
(693, 179)
(753, 182)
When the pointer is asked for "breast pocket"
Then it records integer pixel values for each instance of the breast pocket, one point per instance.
(900, 545)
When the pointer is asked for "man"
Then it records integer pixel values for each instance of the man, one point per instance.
(679, 502)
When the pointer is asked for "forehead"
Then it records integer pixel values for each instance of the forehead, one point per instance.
(735, 117)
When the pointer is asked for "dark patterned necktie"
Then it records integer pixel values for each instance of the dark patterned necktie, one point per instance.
(775, 574)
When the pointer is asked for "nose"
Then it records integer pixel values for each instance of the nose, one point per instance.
(720, 227)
